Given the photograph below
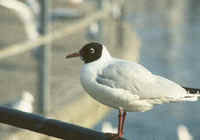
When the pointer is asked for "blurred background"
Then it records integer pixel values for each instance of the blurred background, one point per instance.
(35, 77)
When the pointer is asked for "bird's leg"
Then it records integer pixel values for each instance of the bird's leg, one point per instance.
(123, 121)
(122, 118)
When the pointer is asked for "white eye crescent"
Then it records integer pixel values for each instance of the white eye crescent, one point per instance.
(92, 50)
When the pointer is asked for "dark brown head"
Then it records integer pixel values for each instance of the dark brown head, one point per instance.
(89, 52)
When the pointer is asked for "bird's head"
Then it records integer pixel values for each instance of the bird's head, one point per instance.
(89, 52)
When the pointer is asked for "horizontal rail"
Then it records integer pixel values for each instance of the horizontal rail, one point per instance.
(49, 127)
(25, 14)
(54, 35)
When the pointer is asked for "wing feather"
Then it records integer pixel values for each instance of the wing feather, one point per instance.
(138, 80)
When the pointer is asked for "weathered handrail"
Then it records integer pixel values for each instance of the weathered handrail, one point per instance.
(49, 126)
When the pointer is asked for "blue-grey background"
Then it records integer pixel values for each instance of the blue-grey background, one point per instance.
(170, 36)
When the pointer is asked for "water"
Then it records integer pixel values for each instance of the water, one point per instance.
(170, 48)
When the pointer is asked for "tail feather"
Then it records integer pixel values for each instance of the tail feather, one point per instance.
(192, 90)
(191, 97)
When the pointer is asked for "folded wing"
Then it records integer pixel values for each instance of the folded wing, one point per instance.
(139, 81)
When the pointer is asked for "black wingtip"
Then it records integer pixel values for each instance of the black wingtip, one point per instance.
(192, 90)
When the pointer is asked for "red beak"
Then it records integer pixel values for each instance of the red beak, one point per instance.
(76, 54)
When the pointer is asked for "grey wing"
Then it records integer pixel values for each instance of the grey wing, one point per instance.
(166, 88)
(138, 80)
(125, 75)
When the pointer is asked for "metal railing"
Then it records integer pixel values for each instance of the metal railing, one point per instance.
(54, 35)
(49, 126)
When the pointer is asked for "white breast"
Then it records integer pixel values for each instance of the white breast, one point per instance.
(113, 97)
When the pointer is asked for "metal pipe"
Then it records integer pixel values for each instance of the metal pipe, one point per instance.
(26, 16)
(49, 127)
(121, 24)
(43, 60)
(19, 48)
(100, 6)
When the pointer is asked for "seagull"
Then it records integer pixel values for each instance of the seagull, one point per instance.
(125, 85)
(183, 133)
(25, 103)
(107, 127)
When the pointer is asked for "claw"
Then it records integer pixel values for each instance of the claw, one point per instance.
(113, 136)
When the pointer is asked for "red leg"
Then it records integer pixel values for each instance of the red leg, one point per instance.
(123, 121)
(122, 118)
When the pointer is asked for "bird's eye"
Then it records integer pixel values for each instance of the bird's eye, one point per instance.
(92, 50)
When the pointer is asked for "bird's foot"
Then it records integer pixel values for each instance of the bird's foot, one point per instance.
(113, 136)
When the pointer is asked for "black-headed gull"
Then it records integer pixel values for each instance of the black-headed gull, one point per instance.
(125, 85)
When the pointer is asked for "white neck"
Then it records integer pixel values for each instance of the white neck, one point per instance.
(105, 54)
(96, 66)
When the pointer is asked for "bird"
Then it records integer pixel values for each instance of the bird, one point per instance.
(24, 103)
(107, 127)
(183, 133)
(125, 85)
